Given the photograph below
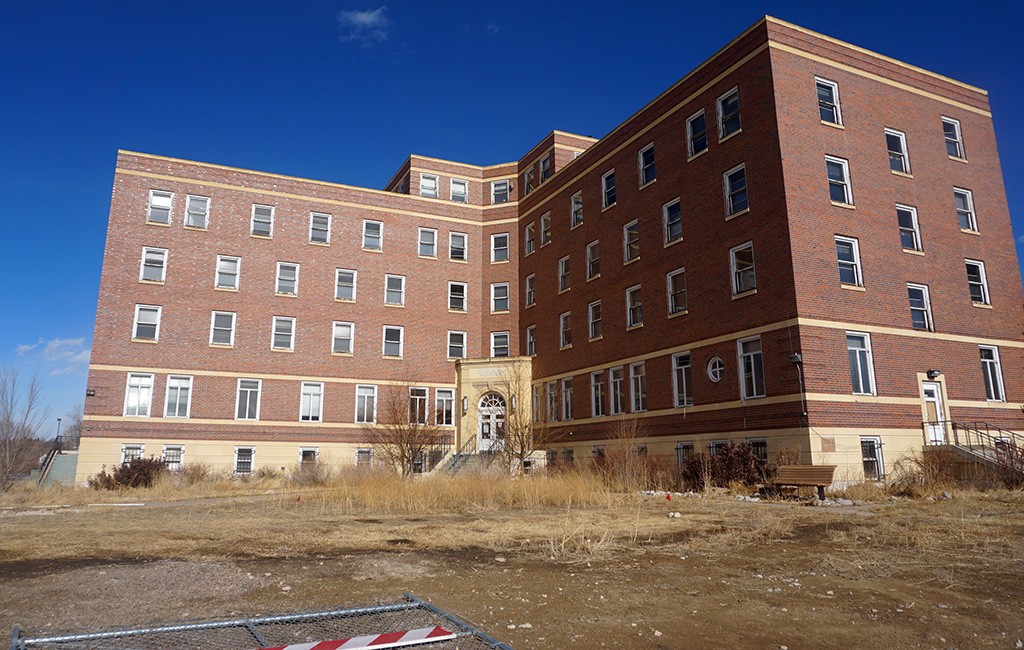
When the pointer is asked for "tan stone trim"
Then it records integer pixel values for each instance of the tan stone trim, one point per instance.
(544, 152)
(482, 180)
(231, 422)
(982, 404)
(896, 331)
(344, 204)
(442, 161)
(849, 398)
(880, 79)
(269, 377)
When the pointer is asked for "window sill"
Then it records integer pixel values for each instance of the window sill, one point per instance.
(255, 236)
(286, 295)
(748, 292)
(372, 250)
(458, 261)
(157, 282)
(834, 125)
(730, 136)
(574, 226)
(958, 159)
(341, 354)
(631, 261)
(596, 338)
(851, 287)
(967, 231)
(427, 257)
(529, 305)
(630, 328)
(157, 223)
(594, 277)
(197, 228)
(503, 311)
(545, 243)
(285, 350)
(228, 289)
(529, 253)
(899, 173)
(697, 155)
(673, 242)
(609, 206)
(845, 206)
(751, 398)
(222, 346)
(649, 183)
(325, 244)
(348, 300)
(499, 261)
(458, 311)
(677, 314)
(565, 290)
(981, 305)
(684, 406)
(565, 347)
(388, 304)
(742, 212)
(913, 251)
(391, 357)
(135, 340)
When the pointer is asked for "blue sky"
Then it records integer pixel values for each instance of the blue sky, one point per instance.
(344, 91)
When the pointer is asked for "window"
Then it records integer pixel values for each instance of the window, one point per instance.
(154, 264)
(284, 334)
(499, 296)
(530, 293)
(645, 163)
(993, 374)
(576, 210)
(427, 242)
(638, 387)
(954, 141)
(965, 209)
(222, 328)
(828, 101)
(393, 341)
(197, 211)
(896, 143)
(147, 323)
(565, 330)
(499, 247)
(428, 185)
(593, 260)
(364, 458)
(567, 398)
(418, 404)
(729, 114)
(499, 192)
(551, 390)
(682, 380)
(676, 285)
(138, 395)
(529, 241)
(631, 241)
(684, 452)
(976, 282)
(457, 296)
(920, 307)
(159, 207)
(248, 407)
(741, 258)
(634, 307)
(460, 190)
(672, 217)
(394, 290)
(444, 407)
(871, 452)
(457, 246)
(345, 284)
(862, 368)
(715, 369)
(228, 270)
(545, 229)
(528, 180)
(531, 340)
(597, 397)
(456, 345)
(751, 368)
(608, 189)
(735, 182)
(287, 279)
(545, 168)
(563, 274)
(244, 460)
(594, 325)
(838, 171)
(568, 456)
(617, 381)
(373, 235)
(178, 401)
(848, 258)
(759, 447)
(131, 452)
(319, 228)
(910, 235)
(499, 344)
(173, 458)
(262, 224)
(311, 402)
(366, 405)
(309, 456)
(696, 133)
(343, 334)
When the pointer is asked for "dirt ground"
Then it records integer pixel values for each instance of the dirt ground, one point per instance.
(900, 574)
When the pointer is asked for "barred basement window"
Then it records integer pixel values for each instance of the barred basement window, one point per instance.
(244, 460)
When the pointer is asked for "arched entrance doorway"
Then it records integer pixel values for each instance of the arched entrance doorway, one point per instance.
(491, 422)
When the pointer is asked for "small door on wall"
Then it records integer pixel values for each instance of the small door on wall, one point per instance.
(933, 412)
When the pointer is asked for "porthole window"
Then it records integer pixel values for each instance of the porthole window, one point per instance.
(716, 369)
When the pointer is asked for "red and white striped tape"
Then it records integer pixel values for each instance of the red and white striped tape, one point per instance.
(377, 641)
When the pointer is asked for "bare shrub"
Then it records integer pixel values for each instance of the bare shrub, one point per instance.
(525, 431)
(404, 433)
(136, 473)
(21, 416)
(1010, 465)
(310, 474)
(923, 473)
(192, 473)
(265, 473)
(731, 464)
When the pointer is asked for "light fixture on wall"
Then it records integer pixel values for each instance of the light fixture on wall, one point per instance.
(465, 405)
(512, 402)
(934, 374)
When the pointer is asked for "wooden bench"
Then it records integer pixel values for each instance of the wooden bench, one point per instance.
(819, 476)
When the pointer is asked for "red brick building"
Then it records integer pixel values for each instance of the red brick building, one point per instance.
(801, 244)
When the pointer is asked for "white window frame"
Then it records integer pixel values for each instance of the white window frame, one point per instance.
(444, 407)
(495, 248)
(737, 289)
(986, 298)
(545, 229)
(217, 272)
(313, 216)
(401, 290)
(927, 309)
(681, 376)
(961, 152)
(465, 297)
(141, 448)
(598, 397)
(593, 260)
(992, 370)
(617, 390)
(546, 170)
(528, 180)
(162, 195)
(834, 87)
(627, 242)
(253, 221)
(730, 193)
(690, 140)
(451, 247)
(531, 340)
(291, 334)
(278, 279)
(355, 283)
(529, 239)
(638, 387)
(496, 289)
(858, 277)
(252, 461)
(880, 465)
(494, 347)
(607, 188)
(565, 330)
(563, 274)
(434, 193)
(371, 396)
(642, 168)
(972, 216)
(845, 183)
(380, 235)
(868, 362)
(634, 301)
(384, 341)
(530, 290)
(238, 398)
(455, 334)
(673, 308)
(566, 395)
(494, 192)
(595, 325)
(576, 210)
(432, 234)
(318, 395)
(674, 203)
(140, 388)
(915, 230)
(188, 399)
(741, 358)
(461, 197)
(135, 324)
(903, 154)
(552, 410)
(162, 253)
(351, 337)
(189, 199)
(213, 322)
(181, 457)
(720, 105)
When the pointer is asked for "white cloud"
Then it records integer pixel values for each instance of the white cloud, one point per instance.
(491, 28)
(364, 27)
(25, 348)
(67, 355)
(1020, 239)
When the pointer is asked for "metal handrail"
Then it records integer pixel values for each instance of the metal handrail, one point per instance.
(972, 434)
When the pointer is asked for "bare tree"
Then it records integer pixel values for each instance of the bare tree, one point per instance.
(525, 431)
(405, 431)
(21, 416)
(73, 422)
(625, 461)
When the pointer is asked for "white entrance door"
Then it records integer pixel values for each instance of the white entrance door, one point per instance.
(491, 418)
(933, 412)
